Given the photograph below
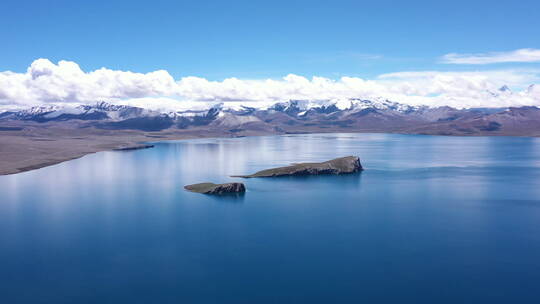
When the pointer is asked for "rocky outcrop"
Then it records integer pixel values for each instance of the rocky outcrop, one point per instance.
(134, 147)
(211, 188)
(342, 165)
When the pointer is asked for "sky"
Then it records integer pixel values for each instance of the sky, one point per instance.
(453, 52)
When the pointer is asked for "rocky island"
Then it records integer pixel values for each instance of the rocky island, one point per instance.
(342, 165)
(211, 188)
(134, 147)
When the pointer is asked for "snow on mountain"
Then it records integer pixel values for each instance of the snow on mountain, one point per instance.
(228, 120)
(203, 112)
(63, 110)
(40, 110)
(297, 108)
(374, 114)
(381, 104)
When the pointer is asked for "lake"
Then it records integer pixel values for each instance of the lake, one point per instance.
(430, 220)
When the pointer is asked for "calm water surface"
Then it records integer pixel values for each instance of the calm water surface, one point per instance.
(430, 220)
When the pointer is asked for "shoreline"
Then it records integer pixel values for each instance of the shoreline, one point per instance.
(21, 153)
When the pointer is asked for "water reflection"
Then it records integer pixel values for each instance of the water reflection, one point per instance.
(426, 213)
(233, 198)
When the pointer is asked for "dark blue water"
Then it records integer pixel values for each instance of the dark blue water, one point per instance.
(430, 220)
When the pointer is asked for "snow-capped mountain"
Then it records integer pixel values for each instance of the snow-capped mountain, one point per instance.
(104, 110)
(377, 115)
(98, 111)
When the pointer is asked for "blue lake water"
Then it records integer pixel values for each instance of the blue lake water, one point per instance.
(431, 220)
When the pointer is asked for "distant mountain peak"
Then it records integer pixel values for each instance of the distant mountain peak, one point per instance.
(106, 106)
(505, 88)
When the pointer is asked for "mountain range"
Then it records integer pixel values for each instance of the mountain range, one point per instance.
(293, 116)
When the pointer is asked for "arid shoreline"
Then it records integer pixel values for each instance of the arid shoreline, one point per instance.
(26, 150)
(34, 147)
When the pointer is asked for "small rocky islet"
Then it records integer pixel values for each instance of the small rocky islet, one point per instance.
(134, 147)
(342, 165)
(219, 189)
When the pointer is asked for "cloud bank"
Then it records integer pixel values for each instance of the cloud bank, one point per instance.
(65, 82)
(521, 55)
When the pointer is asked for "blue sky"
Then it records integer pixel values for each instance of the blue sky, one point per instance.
(173, 53)
(264, 39)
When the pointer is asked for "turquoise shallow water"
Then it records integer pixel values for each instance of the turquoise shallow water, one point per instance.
(430, 220)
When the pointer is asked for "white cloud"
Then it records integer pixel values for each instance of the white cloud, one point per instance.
(65, 82)
(521, 55)
(435, 82)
